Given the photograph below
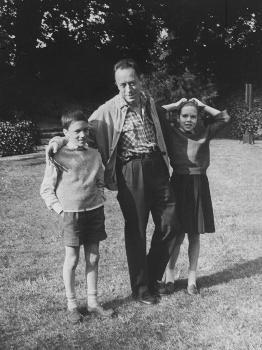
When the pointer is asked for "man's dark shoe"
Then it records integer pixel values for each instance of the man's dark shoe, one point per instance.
(156, 289)
(147, 299)
(169, 288)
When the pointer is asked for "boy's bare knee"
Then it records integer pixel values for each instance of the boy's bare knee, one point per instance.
(71, 262)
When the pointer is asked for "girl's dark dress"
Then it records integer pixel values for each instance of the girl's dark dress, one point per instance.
(189, 157)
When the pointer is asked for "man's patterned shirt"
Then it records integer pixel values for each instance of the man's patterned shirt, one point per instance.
(138, 133)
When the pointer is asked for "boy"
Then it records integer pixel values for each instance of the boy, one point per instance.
(73, 187)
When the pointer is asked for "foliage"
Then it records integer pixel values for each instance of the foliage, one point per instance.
(211, 37)
(244, 120)
(122, 27)
(166, 88)
(18, 137)
(71, 46)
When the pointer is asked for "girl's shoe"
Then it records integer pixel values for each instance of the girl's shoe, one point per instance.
(170, 288)
(192, 289)
(166, 288)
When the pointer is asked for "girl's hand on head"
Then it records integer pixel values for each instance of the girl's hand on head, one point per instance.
(198, 102)
(181, 101)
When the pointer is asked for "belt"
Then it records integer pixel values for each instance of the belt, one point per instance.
(142, 155)
(153, 151)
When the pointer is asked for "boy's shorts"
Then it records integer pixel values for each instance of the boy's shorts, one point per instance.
(84, 227)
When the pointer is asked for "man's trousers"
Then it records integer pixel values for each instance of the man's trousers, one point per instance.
(143, 187)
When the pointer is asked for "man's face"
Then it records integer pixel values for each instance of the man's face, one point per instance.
(77, 133)
(129, 85)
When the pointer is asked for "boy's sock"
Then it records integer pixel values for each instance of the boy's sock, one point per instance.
(92, 298)
(191, 277)
(71, 302)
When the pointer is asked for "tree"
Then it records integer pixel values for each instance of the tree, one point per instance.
(212, 37)
(71, 46)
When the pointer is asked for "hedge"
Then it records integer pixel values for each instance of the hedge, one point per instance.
(244, 120)
(18, 137)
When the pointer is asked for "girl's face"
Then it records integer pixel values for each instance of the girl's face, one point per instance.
(188, 118)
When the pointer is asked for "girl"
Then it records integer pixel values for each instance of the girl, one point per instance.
(188, 148)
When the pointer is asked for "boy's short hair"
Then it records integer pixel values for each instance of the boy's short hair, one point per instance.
(128, 63)
(72, 116)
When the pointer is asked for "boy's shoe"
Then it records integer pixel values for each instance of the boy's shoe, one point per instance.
(192, 289)
(74, 316)
(100, 311)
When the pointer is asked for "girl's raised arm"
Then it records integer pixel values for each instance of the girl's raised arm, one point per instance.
(175, 105)
(210, 110)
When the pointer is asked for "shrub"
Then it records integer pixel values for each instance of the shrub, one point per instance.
(243, 120)
(18, 137)
(166, 88)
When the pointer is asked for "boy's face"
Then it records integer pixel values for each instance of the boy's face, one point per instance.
(77, 133)
(188, 118)
(129, 85)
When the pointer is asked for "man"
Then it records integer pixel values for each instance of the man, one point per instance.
(127, 132)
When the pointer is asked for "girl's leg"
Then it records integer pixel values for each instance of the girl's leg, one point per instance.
(169, 275)
(193, 255)
(70, 264)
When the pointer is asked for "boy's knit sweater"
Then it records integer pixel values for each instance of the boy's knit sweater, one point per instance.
(189, 152)
(77, 184)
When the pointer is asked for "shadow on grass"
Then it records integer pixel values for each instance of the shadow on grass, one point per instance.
(117, 303)
(237, 271)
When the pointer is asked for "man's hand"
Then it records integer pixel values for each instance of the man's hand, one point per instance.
(51, 149)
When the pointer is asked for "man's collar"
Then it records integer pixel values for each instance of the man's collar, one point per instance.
(122, 102)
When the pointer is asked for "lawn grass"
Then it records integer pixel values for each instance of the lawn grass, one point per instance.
(226, 315)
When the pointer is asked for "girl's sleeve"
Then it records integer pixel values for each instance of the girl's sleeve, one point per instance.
(48, 186)
(217, 123)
